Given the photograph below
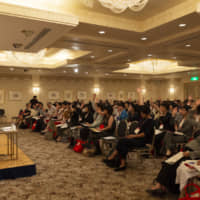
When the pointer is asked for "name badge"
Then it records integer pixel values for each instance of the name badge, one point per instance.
(161, 127)
(137, 130)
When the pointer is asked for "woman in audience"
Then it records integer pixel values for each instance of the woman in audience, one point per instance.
(60, 131)
(155, 110)
(167, 175)
(74, 117)
(23, 115)
(144, 137)
(132, 113)
(107, 130)
(185, 127)
(98, 119)
(164, 123)
(86, 114)
(108, 122)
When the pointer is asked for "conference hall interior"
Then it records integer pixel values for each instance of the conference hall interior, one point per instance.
(99, 100)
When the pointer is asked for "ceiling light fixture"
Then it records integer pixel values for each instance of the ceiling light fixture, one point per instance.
(119, 6)
(92, 57)
(64, 71)
(149, 55)
(154, 67)
(144, 38)
(76, 70)
(75, 48)
(12, 69)
(174, 58)
(110, 50)
(102, 32)
(182, 25)
(86, 72)
(188, 45)
(129, 60)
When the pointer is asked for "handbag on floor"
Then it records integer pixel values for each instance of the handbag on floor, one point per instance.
(79, 146)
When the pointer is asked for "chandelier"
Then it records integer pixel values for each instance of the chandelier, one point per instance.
(154, 67)
(119, 6)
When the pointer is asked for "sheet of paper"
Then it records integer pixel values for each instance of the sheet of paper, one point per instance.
(157, 132)
(110, 138)
(178, 133)
(64, 125)
(193, 163)
(95, 130)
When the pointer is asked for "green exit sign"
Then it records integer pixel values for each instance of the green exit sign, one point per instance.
(195, 78)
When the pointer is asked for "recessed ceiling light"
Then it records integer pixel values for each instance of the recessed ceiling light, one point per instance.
(129, 60)
(188, 45)
(76, 70)
(102, 32)
(125, 74)
(174, 58)
(182, 25)
(12, 69)
(143, 38)
(75, 48)
(110, 50)
(64, 71)
(149, 55)
(86, 72)
(106, 74)
(92, 57)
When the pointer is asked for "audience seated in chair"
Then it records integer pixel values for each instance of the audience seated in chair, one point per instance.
(135, 140)
(167, 175)
(186, 126)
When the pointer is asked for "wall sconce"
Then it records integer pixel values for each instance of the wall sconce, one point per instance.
(143, 91)
(171, 90)
(96, 90)
(36, 90)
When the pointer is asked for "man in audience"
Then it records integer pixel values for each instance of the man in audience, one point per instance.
(34, 100)
(122, 114)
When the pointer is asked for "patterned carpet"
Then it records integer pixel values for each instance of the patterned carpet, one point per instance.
(63, 174)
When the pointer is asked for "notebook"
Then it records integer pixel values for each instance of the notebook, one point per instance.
(110, 138)
(174, 158)
(83, 124)
(95, 130)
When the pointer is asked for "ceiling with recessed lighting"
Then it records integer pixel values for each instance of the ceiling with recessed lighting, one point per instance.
(93, 41)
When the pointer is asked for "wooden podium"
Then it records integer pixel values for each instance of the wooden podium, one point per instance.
(9, 143)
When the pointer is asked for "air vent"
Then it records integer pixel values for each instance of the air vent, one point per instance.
(44, 32)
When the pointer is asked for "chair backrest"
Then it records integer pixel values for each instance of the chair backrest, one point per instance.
(2, 112)
(122, 127)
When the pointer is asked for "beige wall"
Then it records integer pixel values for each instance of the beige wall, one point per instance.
(154, 89)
